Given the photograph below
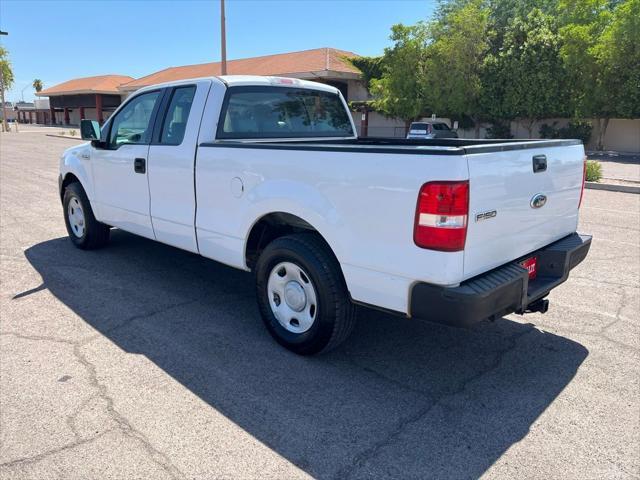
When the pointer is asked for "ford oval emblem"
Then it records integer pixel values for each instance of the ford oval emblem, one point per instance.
(538, 201)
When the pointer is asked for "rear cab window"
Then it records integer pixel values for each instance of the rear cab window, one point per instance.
(175, 121)
(251, 112)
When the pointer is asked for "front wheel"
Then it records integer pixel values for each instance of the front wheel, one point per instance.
(84, 230)
(302, 295)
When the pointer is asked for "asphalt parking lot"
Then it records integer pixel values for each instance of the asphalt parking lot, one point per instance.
(143, 361)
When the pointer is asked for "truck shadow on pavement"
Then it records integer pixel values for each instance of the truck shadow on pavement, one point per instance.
(401, 398)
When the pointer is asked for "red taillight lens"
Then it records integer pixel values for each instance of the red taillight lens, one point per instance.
(441, 216)
(584, 179)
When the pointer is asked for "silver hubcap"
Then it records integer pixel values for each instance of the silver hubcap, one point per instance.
(292, 297)
(76, 217)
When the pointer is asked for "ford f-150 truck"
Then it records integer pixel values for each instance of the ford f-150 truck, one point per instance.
(267, 174)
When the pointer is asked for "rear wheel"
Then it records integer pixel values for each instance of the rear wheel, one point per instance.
(84, 230)
(302, 295)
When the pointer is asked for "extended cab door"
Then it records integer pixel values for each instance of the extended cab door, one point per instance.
(171, 164)
(120, 168)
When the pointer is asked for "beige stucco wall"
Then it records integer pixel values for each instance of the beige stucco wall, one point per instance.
(357, 91)
(622, 135)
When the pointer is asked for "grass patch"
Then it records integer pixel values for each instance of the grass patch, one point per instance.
(594, 171)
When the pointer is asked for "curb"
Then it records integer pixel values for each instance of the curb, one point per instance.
(612, 187)
(63, 136)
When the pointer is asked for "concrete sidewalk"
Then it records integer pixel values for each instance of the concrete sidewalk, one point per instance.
(620, 171)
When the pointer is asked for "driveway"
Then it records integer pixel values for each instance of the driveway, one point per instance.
(143, 361)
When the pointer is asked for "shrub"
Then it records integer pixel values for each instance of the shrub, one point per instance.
(499, 130)
(72, 133)
(594, 171)
(575, 129)
(63, 133)
(548, 131)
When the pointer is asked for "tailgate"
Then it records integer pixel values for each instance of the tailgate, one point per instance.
(508, 216)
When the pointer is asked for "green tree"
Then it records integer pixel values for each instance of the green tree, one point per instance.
(455, 60)
(601, 53)
(524, 78)
(37, 85)
(6, 81)
(399, 91)
(370, 68)
(618, 58)
(583, 23)
(7, 72)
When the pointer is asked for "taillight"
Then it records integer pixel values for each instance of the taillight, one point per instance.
(584, 179)
(441, 216)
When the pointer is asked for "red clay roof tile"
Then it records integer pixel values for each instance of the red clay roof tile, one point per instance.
(98, 84)
(317, 60)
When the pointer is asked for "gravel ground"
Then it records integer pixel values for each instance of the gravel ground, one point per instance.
(142, 361)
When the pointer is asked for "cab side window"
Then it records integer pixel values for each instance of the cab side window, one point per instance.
(132, 123)
(175, 121)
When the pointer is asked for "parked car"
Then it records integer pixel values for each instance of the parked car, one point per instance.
(267, 174)
(431, 129)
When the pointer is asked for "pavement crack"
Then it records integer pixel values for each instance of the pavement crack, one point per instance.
(37, 338)
(133, 318)
(123, 424)
(371, 452)
(43, 455)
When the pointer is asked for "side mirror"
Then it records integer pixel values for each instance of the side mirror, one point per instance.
(89, 130)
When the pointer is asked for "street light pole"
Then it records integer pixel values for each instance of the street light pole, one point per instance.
(223, 40)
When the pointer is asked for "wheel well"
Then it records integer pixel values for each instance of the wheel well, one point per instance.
(69, 178)
(270, 227)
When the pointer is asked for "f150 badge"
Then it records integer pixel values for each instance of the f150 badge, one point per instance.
(538, 201)
(486, 215)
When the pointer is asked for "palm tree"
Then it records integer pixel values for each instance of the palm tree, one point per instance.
(37, 84)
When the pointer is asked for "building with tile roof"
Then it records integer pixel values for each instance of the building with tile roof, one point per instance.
(328, 65)
(89, 97)
(97, 97)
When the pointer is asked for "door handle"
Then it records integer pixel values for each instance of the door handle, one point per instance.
(140, 165)
(539, 163)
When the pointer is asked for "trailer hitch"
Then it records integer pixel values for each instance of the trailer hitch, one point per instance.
(541, 306)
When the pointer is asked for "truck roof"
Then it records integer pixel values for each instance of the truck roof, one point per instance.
(250, 80)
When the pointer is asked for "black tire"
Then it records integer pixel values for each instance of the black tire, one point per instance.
(335, 316)
(95, 234)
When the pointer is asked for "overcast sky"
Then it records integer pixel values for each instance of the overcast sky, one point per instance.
(59, 40)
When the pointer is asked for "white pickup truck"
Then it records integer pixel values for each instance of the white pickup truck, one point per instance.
(267, 174)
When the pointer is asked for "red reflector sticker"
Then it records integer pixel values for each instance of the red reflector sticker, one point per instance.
(531, 264)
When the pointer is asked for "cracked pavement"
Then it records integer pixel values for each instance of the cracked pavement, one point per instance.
(143, 361)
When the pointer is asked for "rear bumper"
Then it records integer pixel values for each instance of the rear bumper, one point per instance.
(501, 291)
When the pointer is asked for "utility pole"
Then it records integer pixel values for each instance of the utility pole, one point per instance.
(223, 40)
(5, 127)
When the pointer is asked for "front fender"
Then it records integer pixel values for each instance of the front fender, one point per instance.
(77, 161)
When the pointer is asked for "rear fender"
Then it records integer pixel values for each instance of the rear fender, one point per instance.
(300, 200)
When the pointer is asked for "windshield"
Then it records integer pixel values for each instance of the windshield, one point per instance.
(282, 112)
